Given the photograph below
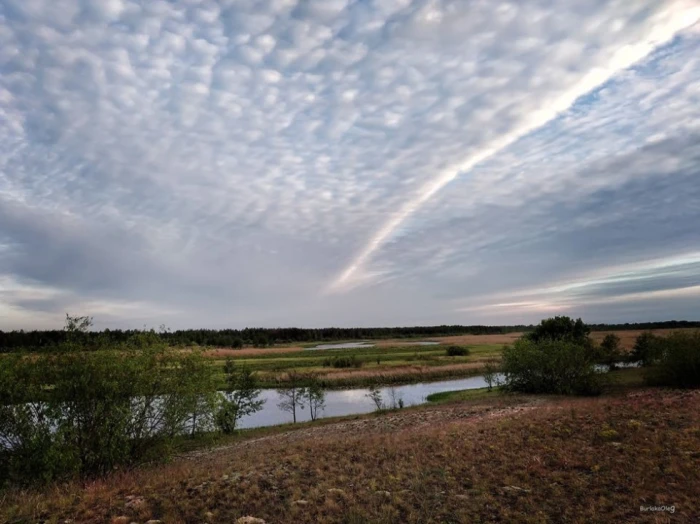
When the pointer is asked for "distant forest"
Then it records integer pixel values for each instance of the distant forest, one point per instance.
(264, 337)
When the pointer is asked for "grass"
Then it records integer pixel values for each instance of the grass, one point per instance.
(504, 458)
(388, 365)
(462, 394)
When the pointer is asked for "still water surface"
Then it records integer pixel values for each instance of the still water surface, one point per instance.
(354, 401)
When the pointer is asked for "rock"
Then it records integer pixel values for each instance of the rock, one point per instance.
(301, 502)
(208, 515)
(250, 520)
(384, 493)
(515, 489)
(337, 491)
(224, 477)
(135, 503)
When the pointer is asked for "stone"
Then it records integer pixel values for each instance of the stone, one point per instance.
(250, 520)
(135, 503)
(336, 491)
(300, 502)
(515, 489)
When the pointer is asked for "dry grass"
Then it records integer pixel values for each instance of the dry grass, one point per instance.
(250, 352)
(511, 459)
(499, 339)
(420, 372)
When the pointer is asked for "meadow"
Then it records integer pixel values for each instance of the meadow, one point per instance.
(483, 457)
(386, 363)
(556, 441)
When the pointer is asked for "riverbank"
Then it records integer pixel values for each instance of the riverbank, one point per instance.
(512, 458)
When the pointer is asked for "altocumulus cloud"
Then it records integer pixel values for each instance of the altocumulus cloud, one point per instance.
(203, 163)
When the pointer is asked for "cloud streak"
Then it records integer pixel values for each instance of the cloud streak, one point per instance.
(661, 32)
(212, 163)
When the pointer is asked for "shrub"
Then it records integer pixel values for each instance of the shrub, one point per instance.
(457, 351)
(79, 412)
(241, 397)
(610, 352)
(560, 367)
(646, 349)
(491, 373)
(677, 360)
(343, 362)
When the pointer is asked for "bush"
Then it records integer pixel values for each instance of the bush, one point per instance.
(78, 412)
(610, 352)
(457, 351)
(677, 361)
(560, 367)
(343, 362)
(646, 349)
(241, 397)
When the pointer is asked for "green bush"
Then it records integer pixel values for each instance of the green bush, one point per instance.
(343, 362)
(560, 367)
(457, 351)
(610, 352)
(646, 349)
(78, 412)
(677, 361)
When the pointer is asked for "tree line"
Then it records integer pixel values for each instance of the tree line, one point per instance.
(47, 340)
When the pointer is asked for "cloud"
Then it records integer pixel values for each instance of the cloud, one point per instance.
(221, 163)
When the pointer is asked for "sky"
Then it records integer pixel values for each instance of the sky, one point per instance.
(232, 163)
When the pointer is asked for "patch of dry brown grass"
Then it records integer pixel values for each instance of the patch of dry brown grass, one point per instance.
(564, 460)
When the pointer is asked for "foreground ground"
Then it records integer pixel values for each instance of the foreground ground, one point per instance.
(484, 458)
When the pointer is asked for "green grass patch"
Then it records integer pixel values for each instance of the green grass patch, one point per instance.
(463, 394)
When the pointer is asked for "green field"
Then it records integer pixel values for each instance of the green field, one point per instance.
(383, 364)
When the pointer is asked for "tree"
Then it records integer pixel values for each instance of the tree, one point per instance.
(76, 329)
(375, 395)
(490, 373)
(293, 396)
(241, 398)
(646, 349)
(316, 397)
(676, 361)
(610, 352)
(560, 328)
(395, 398)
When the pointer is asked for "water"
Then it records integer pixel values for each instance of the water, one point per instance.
(354, 401)
(351, 345)
(344, 345)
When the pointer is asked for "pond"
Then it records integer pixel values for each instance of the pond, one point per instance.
(354, 401)
(344, 345)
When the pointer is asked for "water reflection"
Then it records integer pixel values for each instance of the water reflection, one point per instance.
(354, 401)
